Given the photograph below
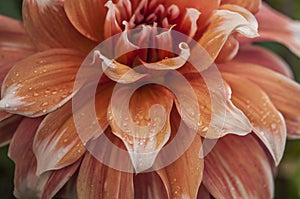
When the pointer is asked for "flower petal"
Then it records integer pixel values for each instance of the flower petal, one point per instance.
(27, 183)
(282, 91)
(111, 23)
(218, 116)
(171, 63)
(274, 26)
(8, 127)
(184, 184)
(59, 143)
(142, 122)
(30, 87)
(268, 123)
(238, 167)
(118, 72)
(49, 27)
(96, 180)
(223, 24)
(251, 5)
(87, 17)
(293, 128)
(56, 143)
(148, 186)
(264, 58)
(11, 25)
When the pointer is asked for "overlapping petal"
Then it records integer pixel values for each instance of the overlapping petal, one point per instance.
(184, 184)
(268, 124)
(87, 17)
(238, 167)
(41, 83)
(224, 23)
(96, 180)
(27, 183)
(281, 89)
(251, 5)
(264, 58)
(8, 126)
(49, 27)
(145, 127)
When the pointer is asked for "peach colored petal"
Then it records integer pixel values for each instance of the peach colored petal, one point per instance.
(217, 118)
(268, 124)
(27, 183)
(149, 186)
(30, 87)
(11, 25)
(228, 51)
(8, 125)
(188, 25)
(59, 143)
(87, 17)
(251, 5)
(223, 24)
(171, 63)
(111, 23)
(145, 127)
(95, 180)
(264, 58)
(56, 143)
(274, 26)
(283, 92)
(183, 184)
(49, 27)
(118, 72)
(293, 127)
(238, 167)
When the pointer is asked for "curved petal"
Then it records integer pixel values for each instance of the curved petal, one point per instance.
(27, 183)
(229, 50)
(8, 127)
(49, 27)
(238, 167)
(283, 92)
(218, 117)
(30, 87)
(268, 124)
(96, 180)
(171, 63)
(142, 123)
(184, 184)
(87, 17)
(56, 143)
(149, 186)
(261, 56)
(274, 26)
(59, 143)
(223, 24)
(251, 5)
(118, 72)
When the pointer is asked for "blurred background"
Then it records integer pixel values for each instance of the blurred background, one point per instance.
(288, 173)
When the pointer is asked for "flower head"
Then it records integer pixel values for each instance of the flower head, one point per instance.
(185, 126)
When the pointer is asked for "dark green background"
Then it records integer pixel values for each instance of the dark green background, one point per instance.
(288, 178)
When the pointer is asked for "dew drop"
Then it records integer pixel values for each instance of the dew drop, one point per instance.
(45, 104)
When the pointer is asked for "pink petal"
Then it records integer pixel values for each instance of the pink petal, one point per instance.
(264, 58)
(274, 26)
(268, 124)
(41, 83)
(11, 25)
(293, 127)
(238, 167)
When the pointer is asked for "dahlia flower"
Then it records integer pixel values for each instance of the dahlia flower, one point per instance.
(238, 130)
